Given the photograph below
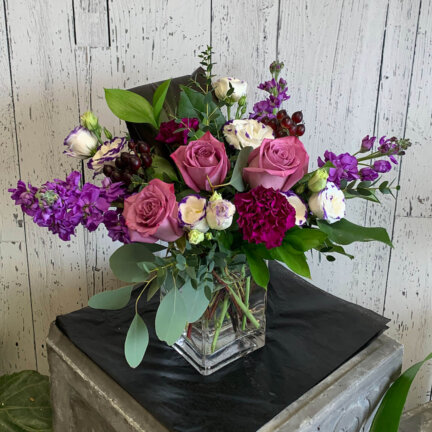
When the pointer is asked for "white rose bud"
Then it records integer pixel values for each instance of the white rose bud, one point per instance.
(328, 204)
(220, 214)
(221, 87)
(246, 133)
(80, 143)
(192, 213)
(299, 207)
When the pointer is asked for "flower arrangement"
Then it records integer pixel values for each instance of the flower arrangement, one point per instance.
(212, 194)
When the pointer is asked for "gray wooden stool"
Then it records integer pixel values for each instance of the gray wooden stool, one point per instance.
(86, 399)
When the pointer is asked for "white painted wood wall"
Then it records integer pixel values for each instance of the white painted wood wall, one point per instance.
(354, 67)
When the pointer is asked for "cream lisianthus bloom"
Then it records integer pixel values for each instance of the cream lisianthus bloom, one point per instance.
(106, 154)
(246, 133)
(328, 204)
(221, 87)
(192, 213)
(80, 143)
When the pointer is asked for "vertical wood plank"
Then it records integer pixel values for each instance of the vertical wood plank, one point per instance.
(332, 51)
(91, 23)
(245, 50)
(44, 81)
(409, 299)
(16, 326)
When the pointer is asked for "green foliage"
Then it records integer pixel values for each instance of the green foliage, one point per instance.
(171, 317)
(388, 415)
(305, 239)
(111, 300)
(207, 63)
(124, 261)
(162, 169)
(129, 106)
(257, 265)
(344, 232)
(330, 247)
(136, 342)
(293, 258)
(195, 301)
(159, 99)
(237, 175)
(25, 403)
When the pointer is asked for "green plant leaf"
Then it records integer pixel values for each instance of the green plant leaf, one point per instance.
(237, 176)
(388, 415)
(25, 403)
(162, 168)
(136, 342)
(344, 232)
(112, 300)
(155, 284)
(171, 317)
(159, 99)
(257, 265)
(332, 248)
(195, 301)
(305, 239)
(294, 259)
(124, 260)
(129, 106)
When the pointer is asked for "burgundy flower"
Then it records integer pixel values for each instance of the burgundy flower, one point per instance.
(264, 216)
(167, 131)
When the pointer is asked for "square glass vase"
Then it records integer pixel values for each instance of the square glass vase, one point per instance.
(211, 343)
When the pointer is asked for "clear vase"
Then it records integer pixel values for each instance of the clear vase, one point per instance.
(214, 341)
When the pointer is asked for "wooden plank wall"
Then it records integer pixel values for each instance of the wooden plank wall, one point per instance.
(354, 67)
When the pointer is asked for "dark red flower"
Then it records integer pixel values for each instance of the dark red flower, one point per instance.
(167, 131)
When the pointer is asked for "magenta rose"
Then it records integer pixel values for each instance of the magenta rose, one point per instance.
(201, 158)
(277, 164)
(151, 214)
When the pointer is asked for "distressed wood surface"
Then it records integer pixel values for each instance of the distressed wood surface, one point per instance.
(353, 68)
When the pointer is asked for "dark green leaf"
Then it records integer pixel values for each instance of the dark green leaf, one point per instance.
(383, 185)
(159, 99)
(332, 248)
(195, 301)
(330, 258)
(153, 288)
(294, 259)
(258, 266)
(305, 239)
(389, 412)
(111, 300)
(124, 260)
(364, 184)
(344, 232)
(129, 106)
(136, 342)
(364, 192)
(162, 169)
(25, 403)
(237, 175)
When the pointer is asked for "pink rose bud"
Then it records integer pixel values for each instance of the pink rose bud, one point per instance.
(205, 157)
(151, 214)
(277, 164)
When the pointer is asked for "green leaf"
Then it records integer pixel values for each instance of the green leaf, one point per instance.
(162, 168)
(129, 106)
(344, 232)
(237, 176)
(25, 403)
(136, 342)
(171, 317)
(124, 260)
(294, 259)
(305, 239)
(388, 415)
(195, 301)
(111, 300)
(156, 284)
(257, 265)
(159, 99)
(332, 248)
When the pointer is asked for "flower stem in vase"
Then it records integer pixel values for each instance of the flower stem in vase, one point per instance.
(247, 293)
(219, 322)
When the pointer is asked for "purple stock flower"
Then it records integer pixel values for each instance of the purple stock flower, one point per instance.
(115, 224)
(382, 166)
(368, 174)
(367, 143)
(345, 167)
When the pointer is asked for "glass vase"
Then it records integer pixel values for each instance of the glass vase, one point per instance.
(225, 332)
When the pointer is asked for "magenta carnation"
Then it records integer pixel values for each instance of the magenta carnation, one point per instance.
(264, 216)
(169, 131)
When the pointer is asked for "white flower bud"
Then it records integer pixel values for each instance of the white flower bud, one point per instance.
(220, 214)
(192, 213)
(221, 87)
(299, 207)
(246, 133)
(80, 143)
(328, 204)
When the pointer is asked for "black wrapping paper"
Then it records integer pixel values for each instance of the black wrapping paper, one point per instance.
(310, 333)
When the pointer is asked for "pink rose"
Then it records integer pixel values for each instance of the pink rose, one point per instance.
(151, 214)
(202, 158)
(277, 164)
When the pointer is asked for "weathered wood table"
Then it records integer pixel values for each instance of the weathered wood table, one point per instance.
(86, 399)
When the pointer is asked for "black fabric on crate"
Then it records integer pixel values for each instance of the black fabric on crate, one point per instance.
(310, 333)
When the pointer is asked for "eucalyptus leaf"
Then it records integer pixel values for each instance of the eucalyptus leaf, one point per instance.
(237, 176)
(159, 99)
(257, 266)
(129, 106)
(25, 403)
(112, 300)
(344, 232)
(195, 301)
(171, 317)
(136, 342)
